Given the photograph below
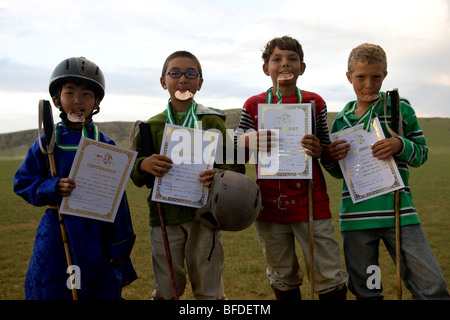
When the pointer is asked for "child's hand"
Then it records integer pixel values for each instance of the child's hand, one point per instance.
(207, 177)
(337, 150)
(263, 140)
(387, 147)
(157, 165)
(65, 187)
(312, 145)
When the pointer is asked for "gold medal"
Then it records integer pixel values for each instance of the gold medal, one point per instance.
(370, 97)
(285, 76)
(77, 117)
(183, 95)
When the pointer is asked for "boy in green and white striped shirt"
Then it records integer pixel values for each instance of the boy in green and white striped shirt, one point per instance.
(364, 224)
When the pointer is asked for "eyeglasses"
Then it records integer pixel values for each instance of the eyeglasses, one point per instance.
(187, 74)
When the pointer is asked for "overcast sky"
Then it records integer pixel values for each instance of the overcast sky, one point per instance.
(130, 40)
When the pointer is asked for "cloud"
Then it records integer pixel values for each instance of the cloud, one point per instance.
(19, 77)
(440, 80)
(130, 41)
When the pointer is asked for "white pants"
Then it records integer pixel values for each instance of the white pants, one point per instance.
(278, 243)
(190, 246)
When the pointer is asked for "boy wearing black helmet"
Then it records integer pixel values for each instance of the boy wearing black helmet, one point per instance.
(77, 73)
(100, 250)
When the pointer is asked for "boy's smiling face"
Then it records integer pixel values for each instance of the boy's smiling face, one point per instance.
(77, 97)
(367, 80)
(183, 84)
(284, 63)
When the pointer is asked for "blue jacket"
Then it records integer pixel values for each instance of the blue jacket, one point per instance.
(92, 242)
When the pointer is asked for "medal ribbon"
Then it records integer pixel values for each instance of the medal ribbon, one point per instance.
(366, 118)
(269, 98)
(189, 120)
(74, 147)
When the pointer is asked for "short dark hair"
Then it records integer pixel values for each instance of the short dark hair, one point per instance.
(177, 54)
(283, 43)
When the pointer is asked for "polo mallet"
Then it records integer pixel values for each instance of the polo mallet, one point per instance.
(311, 218)
(147, 144)
(311, 240)
(46, 118)
(167, 248)
(395, 107)
(397, 244)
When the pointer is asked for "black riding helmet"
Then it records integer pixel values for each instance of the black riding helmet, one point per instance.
(77, 69)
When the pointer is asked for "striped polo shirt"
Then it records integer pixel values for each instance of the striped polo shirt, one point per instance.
(379, 212)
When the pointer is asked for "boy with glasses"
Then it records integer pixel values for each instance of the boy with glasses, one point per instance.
(190, 240)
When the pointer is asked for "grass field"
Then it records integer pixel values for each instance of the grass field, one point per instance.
(244, 271)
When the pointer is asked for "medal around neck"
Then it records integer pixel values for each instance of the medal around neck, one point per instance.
(371, 97)
(285, 76)
(180, 95)
(76, 117)
(281, 77)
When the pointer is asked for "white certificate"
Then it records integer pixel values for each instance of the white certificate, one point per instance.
(192, 151)
(288, 160)
(365, 175)
(101, 172)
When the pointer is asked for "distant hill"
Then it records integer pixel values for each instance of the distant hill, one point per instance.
(16, 144)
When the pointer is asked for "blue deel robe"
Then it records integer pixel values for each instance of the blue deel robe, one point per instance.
(92, 242)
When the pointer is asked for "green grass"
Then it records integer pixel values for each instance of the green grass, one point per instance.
(244, 270)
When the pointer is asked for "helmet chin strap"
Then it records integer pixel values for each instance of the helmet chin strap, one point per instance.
(94, 112)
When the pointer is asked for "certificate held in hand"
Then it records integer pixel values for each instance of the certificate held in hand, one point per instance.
(101, 172)
(288, 160)
(192, 152)
(366, 176)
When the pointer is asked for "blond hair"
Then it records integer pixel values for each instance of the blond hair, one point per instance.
(367, 52)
